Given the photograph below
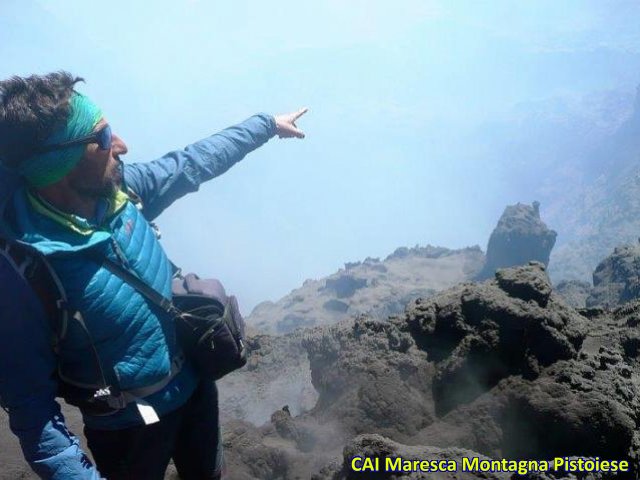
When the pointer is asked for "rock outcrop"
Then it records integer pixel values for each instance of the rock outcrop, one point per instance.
(519, 237)
(616, 279)
(503, 368)
(277, 374)
(373, 287)
(377, 446)
(574, 292)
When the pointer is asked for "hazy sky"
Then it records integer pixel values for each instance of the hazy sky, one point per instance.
(393, 88)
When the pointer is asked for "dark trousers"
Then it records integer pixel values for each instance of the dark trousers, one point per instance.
(190, 435)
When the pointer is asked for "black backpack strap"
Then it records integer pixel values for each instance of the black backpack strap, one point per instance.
(36, 270)
(38, 273)
(42, 278)
(129, 277)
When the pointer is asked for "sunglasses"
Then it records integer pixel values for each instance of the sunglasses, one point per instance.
(102, 137)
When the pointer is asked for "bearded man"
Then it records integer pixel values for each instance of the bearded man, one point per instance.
(76, 200)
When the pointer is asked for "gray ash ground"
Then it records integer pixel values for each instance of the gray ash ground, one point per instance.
(504, 369)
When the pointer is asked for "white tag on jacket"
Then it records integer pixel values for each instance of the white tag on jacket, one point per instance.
(147, 412)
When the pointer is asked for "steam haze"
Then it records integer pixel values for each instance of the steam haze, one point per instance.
(426, 117)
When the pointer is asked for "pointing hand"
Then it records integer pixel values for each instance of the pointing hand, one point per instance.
(286, 124)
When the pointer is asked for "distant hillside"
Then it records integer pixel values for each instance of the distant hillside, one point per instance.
(377, 288)
(580, 157)
(601, 210)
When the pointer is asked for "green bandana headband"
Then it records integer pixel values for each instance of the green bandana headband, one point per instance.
(47, 168)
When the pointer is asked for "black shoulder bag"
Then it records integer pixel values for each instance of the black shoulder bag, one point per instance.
(208, 323)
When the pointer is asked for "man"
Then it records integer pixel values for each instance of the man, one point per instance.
(78, 201)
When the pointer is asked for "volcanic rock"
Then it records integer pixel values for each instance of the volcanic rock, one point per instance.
(398, 376)
(480, 333)
(519, 237)
(371, 377)
(574, 292)
(616, 279)
(503, 368)
(277, 374)
(345, 286)
(373, 287)
(377, 446)
(285, 448)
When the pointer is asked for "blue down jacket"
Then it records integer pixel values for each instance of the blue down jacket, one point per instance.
(134, 340)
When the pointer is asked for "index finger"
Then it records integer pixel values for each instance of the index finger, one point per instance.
(300, 112)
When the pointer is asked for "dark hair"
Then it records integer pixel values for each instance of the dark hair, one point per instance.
(31, 109)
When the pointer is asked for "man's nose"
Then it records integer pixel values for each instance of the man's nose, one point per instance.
(117, 145)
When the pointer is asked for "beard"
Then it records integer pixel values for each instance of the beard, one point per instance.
(106, 187)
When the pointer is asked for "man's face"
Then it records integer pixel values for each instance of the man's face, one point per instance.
(98, 174)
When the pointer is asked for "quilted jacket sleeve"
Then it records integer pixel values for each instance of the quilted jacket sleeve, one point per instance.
(160, 182)
(27, 386)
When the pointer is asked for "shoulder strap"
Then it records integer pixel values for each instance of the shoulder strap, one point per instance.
(38, 273)
(44, 281)
(142, 287)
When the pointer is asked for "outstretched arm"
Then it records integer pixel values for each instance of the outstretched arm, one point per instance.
(161, 182)
(27, 385)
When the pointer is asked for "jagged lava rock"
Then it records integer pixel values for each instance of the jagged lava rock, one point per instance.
(277, 373)
(378, 288)
(370, 377)
(503, 368)
(480, 333)
(377, 446)
(286, 448)
(574, 292)
(616, 279)
(584, 407)
(526, 283)
(396, 377)
(519, 237)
